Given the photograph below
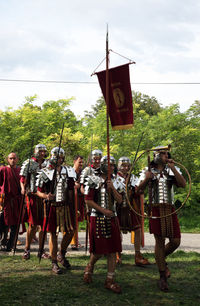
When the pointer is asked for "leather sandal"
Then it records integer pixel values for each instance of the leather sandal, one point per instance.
(26, 255)
(162, 284)
(56, 269)
(44, 255)
(111, 285)
(141, 261)
(87, 277)
(63, 261)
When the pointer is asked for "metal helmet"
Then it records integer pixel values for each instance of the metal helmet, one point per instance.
(40, 147)
(54, 155)
(104, 164)
(96, 153)
(123, 160)
(157, 153)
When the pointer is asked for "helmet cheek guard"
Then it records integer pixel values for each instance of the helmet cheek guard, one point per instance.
(54, 155)
(123, 161)
(96, 153)
(40, 147)
(104, 164)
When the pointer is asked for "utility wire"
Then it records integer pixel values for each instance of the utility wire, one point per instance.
(84, 82)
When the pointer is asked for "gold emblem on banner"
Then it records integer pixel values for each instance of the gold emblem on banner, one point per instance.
(119, 98)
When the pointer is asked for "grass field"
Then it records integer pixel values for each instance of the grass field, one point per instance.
(31, 283)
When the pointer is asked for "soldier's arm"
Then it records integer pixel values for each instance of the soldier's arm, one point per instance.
(180, 181)
(117, 196)
(106, 212)
(143, 184)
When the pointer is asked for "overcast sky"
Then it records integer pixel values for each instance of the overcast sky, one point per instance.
(64, 40)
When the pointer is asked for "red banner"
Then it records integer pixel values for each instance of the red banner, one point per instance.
(120, 106)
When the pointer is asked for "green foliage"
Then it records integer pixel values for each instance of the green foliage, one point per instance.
(40, 124)
(161, 126)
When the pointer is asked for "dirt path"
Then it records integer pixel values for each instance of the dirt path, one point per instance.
(189, 243)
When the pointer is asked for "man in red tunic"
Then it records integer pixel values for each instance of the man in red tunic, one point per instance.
(101, 195)
(10, 188)
(129, 220)
(162, 175)
(59, 195)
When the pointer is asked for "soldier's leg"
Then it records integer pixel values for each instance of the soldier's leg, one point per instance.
(87, 277)
(10, 243)
(110, 283)
(139, 259)
(170, 247)
(44, 254)
(53, 249)
(31, 231)
(29, 236)
(160, 261)
(4, 239)
(67, 237)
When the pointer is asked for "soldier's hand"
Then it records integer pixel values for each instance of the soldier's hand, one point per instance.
(109, 185)
(170, 163)
(148, 175)
(23, 191)
(108, 213)
(50, 197)
(77, 185)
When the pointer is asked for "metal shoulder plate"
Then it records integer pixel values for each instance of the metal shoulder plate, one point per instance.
(33, 167)
(70, 172)
(86, 172)
(43, 176)
(133, 180)
(142, 175)
(93, 181)
(119, 184)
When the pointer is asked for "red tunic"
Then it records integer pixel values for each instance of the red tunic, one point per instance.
(35, 206)
(155, 224)
(128, 219)
(10, 186)
(53, 220)
(99, 244)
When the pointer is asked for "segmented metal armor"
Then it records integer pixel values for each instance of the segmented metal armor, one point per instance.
(162, 185)
(97, 182)
(122, 182)
(46, 174)
(30, 169)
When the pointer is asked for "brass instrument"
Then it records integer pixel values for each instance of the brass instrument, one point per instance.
(160, 148)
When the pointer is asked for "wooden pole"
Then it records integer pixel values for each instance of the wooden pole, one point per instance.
(107, 104)
(107, 116)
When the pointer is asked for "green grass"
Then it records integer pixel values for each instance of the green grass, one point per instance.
(190, 223)
(31, 283)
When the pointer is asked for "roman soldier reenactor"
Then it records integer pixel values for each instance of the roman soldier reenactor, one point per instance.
(101, 196)
(128, 220)
(35, 207)
(93, 168)
(59, 204)
(163, 175)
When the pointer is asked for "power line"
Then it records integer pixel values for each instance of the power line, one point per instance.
(88, 82)
(45, 81)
